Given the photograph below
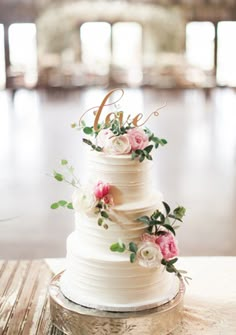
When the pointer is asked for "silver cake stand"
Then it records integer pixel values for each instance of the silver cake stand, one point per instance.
(73, 319)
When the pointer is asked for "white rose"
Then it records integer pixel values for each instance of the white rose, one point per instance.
(117, 145)
(103, 136)
(84, 200)
(149, 255)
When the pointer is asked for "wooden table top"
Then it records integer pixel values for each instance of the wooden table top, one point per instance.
(24, 304)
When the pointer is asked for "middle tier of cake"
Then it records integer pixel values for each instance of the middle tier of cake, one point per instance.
(124, 225)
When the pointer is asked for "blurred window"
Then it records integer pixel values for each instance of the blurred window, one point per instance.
(23, 52)
(2, 58)
(200, 44)
(226, 67)
(127, 49)
(96, 46)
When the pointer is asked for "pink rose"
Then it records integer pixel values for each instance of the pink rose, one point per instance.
(101, 190)
(168, 245)
(103, 136)
(117, 145)
(137, 138)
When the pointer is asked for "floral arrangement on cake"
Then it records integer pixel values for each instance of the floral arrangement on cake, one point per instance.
(158, 245)
(117, 139)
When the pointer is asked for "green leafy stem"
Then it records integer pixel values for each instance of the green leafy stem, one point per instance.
(101, 209)
(93, 146)
(170, 267)
(158, 220)
(62, 203)
(69, 178)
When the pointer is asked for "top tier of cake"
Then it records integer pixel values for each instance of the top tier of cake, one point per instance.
(130, 180)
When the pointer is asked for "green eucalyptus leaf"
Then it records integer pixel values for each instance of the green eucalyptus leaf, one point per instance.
(88, 130)
(132, 257)
(100, 221)
(62, 203)
(116, 247)
(85, 140)
(179, 212)
(133, 247)
(99, 149)
(104, 214)
(133, 155)
(70, 205)
(163, 261)
(170, 269)
(148, 149)
(172, 261)
(58, 176)
(163, 141)
(64, 162)
(141, 158)
(167, 207)
(155, 215)
(54, 205)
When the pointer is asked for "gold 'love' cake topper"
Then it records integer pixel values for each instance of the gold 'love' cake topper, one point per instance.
(119, 116)
(114, 135)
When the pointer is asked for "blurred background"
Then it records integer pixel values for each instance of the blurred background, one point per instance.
(60, 57)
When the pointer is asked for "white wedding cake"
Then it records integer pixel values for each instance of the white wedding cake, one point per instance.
(122, 254)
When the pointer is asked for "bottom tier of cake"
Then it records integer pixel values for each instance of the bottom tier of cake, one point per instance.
(111, 283)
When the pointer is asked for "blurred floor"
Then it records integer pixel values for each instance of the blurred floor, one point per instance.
(197, 168)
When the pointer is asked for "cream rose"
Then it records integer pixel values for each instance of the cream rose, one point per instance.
(117, 145)
(103, 136)
(149, 255)
(84, 200)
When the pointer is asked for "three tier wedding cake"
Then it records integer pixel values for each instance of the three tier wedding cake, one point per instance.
(122, 255)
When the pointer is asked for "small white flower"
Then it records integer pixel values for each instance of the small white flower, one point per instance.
(84, 200)
(117, 145)
(149, 255)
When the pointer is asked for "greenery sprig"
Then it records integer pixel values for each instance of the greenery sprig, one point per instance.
(62, 203)
(142, 154)
(156, 140)
(101, 209)
(158, 220)
(68, 177)
(157, 224)
(170, 267)
(93, 146)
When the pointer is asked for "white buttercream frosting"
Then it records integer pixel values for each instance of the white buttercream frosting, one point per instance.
(99, 278)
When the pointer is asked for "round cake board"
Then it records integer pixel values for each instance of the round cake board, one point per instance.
(74, 319)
